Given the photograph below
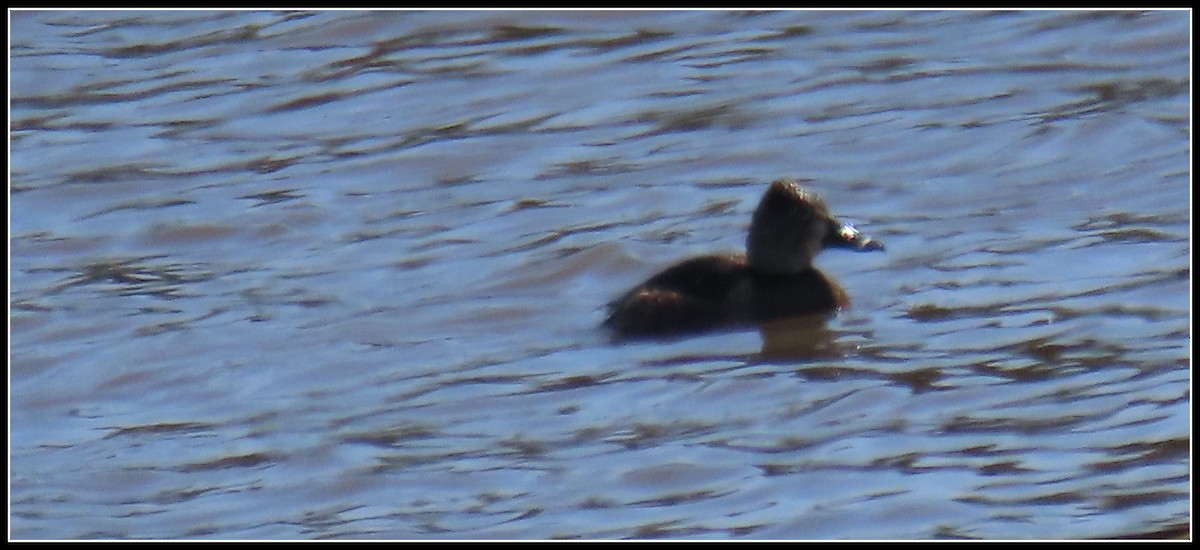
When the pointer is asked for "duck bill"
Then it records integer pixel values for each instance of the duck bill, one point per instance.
(846, 236)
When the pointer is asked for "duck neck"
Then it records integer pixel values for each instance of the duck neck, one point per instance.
(768, 254)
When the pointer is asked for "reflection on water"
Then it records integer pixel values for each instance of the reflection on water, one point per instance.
(338, 274)
(799, 337)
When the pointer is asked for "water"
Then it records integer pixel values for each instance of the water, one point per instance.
(338, 274)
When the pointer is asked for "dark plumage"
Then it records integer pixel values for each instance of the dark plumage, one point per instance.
(774, 280)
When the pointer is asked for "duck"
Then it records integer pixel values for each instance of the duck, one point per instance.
(773, 280)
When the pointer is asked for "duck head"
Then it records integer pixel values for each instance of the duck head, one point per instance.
(791, 226)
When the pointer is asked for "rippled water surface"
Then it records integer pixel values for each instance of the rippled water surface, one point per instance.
(339, 274)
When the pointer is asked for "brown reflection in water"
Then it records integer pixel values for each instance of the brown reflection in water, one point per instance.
(798, 337)
(1180, 531)
(135, 276)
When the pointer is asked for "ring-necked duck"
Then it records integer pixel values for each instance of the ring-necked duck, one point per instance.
(774, 280)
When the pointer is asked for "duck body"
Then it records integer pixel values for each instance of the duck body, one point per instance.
(774, 280)
(712, 292)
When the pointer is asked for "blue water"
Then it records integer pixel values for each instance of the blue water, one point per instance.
(339, 274)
